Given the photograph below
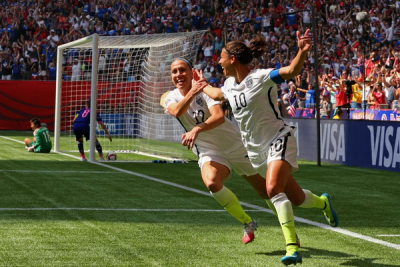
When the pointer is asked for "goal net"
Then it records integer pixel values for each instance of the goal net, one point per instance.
(125, 76)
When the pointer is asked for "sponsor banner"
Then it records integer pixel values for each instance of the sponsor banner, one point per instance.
(376, 114)
(368, 144)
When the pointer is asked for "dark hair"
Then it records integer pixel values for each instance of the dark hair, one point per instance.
(244, 53)
(36, 121)
(187, 62)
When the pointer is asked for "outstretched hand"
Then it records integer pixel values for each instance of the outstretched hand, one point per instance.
(198, 82)
(304, 42)
(189, 138)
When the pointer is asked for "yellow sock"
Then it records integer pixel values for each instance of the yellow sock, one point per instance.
(312, 201)
(286, 218)
(271, 206)
(227, 199)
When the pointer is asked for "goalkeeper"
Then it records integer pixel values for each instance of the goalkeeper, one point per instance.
(82, 128)
(41, 138)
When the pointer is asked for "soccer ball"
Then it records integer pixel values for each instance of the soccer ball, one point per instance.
(111, 156)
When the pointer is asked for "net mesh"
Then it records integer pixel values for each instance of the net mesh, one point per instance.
(133, 73)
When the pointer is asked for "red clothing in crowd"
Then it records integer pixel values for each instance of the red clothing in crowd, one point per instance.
(341, 98)
(380, 98)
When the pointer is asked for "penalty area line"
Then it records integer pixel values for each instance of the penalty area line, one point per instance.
(298, 219)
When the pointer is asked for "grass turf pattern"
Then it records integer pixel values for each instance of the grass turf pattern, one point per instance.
(99, 216)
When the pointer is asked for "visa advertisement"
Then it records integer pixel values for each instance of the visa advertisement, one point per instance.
(368, 144)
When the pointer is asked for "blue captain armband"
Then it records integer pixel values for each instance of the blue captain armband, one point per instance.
(276, 77)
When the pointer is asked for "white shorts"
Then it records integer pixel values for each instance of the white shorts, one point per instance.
(282, 148)
(238, 161)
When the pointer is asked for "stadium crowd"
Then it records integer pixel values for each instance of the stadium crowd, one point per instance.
(31, 30)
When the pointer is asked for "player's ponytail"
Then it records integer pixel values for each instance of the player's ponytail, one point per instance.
(257, 46)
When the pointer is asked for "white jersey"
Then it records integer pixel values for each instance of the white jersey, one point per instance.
(254, 105)
(224, 139)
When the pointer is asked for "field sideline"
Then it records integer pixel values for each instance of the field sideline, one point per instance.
(58, 211)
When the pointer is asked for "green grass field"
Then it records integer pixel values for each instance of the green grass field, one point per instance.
(58, 211)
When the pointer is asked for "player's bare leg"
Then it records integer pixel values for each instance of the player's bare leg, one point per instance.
(213, 175)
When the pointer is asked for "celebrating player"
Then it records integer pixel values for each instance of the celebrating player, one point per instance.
(270, 142)
(82, 128)
(215, 140)
(41, 138)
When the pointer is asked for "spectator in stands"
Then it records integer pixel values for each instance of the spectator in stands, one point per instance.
(53, 38)
(338, 114)
(325, 105)
(76, 70)
(214, 78)
(17, 69)
(6, 64)
(158, 25)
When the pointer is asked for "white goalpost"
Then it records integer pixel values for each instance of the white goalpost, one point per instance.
(124, 77)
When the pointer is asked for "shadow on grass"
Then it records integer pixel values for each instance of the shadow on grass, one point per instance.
(349, 259)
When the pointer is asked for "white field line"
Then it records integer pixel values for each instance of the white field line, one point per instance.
(117, 209)
(41, 171)
(389, 235)
(298, 219)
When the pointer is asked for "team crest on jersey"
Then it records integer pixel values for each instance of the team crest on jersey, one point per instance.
(249, 82)
(199, 101)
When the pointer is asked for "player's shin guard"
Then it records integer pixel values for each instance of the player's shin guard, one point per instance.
(99, 148)
(286, 218)
(312, 201)
(80, 148)
(227, 199)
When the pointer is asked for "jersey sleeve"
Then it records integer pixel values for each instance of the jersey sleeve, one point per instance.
(169, 100)
(210, 102)
(272, 75)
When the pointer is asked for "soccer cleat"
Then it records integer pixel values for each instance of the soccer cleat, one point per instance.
(102, 159)
(83, 159)
(249, 229)
(297, 240)
(292, 259)
(329, 213)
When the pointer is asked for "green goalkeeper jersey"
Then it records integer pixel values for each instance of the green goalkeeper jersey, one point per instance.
(42, 144)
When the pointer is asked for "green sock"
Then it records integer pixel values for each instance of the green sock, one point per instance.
(286, 218)
(312, 201)
(227, 199)
(271, 206)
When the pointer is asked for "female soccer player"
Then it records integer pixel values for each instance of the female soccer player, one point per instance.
(269, 141)
(41, 142)
(215, 140)
(82, 128)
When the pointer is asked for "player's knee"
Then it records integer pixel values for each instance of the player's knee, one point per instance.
(273, 190)
(212, 182)
(28, 141)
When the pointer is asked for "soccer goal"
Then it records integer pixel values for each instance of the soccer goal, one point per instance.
(124, 77)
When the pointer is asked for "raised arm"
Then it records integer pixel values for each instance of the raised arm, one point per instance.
(213, 92)
(304, 44)
(179, 109)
